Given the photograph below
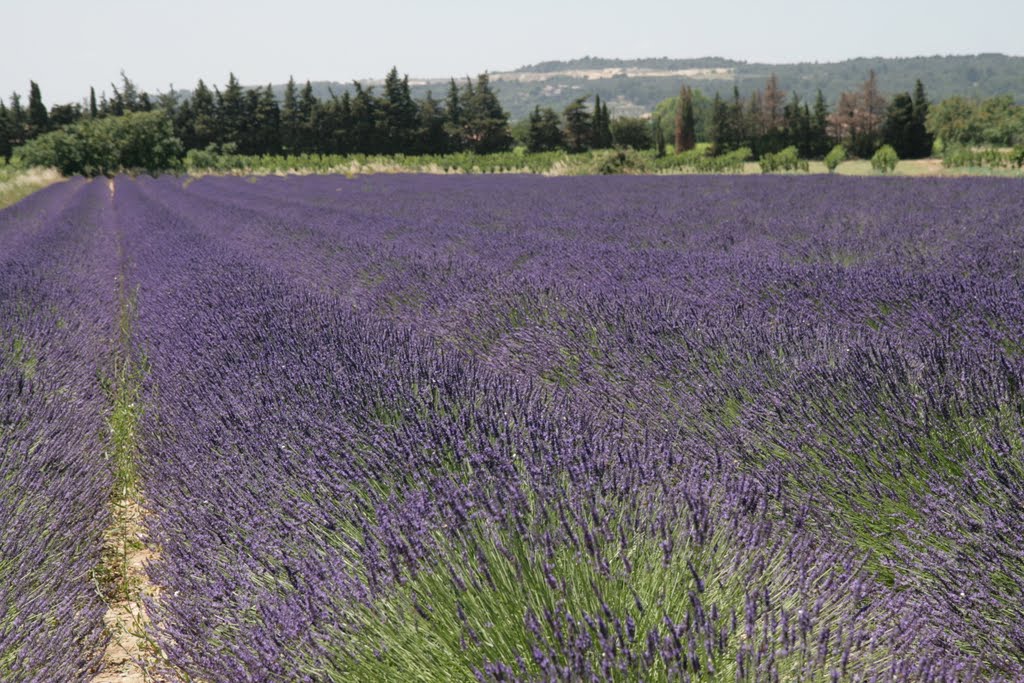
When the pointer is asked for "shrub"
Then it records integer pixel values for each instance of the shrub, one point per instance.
(786, 160)
(142, 141)
(1017, 156)
(834, 158)
(885, 159)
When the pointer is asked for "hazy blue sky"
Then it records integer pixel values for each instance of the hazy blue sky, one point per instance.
(65, 46)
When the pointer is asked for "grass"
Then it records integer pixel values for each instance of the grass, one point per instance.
(123, 387)
(16, 184)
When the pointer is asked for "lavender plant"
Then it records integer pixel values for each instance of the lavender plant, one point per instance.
(554, 429)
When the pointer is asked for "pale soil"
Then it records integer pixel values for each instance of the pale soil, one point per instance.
(131, 656)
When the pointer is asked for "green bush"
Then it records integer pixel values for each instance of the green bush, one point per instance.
(834, 158)
(1017, 156)
(786, 160)
(135, 142)
(885, 159)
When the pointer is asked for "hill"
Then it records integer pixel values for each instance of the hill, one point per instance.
(635, 86)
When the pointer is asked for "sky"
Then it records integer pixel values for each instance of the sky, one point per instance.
(66, 46)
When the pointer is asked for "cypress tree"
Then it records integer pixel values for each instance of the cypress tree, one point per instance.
(921, 140)
(659, 138)
(820, 142)
(6, 132)
(93, 111)
(677, 141)
(204, 116)
(267, 120)
(364, 121)
(578, 125)
(38, 119)
(431, 137)
(233, 116)
(290, 119)
(897, 127)
(687, 125)
(399, 115)
(485, 125)
(720, 136)
(544, 134)
(308, 114)
(453, 117)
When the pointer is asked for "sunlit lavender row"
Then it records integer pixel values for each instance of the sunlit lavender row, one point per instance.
(413, 428)
(58, 305)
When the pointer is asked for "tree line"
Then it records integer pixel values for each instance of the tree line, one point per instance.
(254, 121)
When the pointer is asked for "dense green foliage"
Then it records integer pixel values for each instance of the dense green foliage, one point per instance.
(960, 156)
(835, 157)
(138, 141)
(785, 160)
(885, 159)
(295, 120)
(981, 76)
(995, 121)
(218, 160)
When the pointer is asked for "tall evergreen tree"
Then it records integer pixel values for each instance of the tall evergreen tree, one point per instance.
(453, 116)
(686, 125)
(93, 111)
(365, 114)
(720, 133)
(485, 123)
(267, 123)
(659, 138)
(921, 140)
(291, 123)
(898, 120)
(399, 114)
(6, 132)
(308, 114)
(38, 119)
(578, 125)
(233, 116)
(601, 133)
(544, 135)
(431, 137)
(820, 143)
(204, 116)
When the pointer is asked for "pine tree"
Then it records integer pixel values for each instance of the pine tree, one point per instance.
(38, 120)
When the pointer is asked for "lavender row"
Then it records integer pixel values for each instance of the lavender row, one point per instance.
(384, 404)
(57, 307)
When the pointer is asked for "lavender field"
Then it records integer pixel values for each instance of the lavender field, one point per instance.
(424, 428)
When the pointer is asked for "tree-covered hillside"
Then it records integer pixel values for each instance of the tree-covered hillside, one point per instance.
(637, 89)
